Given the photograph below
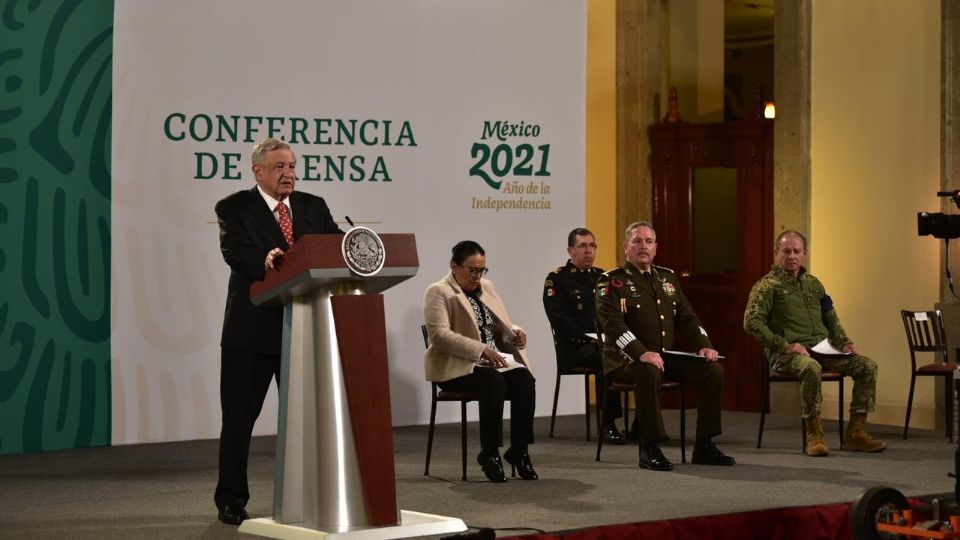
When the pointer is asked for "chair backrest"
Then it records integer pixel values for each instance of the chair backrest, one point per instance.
(925, 333)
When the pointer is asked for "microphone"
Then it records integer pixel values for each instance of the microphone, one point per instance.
(953, 193)
(349, 221)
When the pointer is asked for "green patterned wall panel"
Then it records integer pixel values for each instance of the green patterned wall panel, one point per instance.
(55, 115)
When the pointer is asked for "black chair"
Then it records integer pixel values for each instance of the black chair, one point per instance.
(586, 372)
(925, 333)
(777, 377)
(623, 390)
(444, 395)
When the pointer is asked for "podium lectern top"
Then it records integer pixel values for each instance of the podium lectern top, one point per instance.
(315, 261)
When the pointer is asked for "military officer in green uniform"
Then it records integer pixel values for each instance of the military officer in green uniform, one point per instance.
(568, 299)
(640, 307)
(789, 312)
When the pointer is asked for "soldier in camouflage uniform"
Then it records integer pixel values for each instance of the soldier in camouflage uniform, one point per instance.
(639, 307)
(568, 298)
(789, 312)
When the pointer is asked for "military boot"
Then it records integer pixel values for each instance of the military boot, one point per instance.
(816, 445)
(856, 439)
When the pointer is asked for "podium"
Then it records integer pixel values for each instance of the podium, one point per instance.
(334, 472)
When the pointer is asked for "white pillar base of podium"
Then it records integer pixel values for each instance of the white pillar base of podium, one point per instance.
(411, 524)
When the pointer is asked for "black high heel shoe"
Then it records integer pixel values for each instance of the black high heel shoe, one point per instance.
(520, 463)
(492, 466)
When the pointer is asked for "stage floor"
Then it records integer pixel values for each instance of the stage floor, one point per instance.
(165, 490)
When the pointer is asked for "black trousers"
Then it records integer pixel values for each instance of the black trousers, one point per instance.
(244, 380)
(573, 355)
(494, 387)
(706, 377)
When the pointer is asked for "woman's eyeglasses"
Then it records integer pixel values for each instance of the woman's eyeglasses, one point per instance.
(475, 272)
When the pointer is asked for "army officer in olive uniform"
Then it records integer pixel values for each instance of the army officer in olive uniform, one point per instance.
(568, 299)
(639, 307)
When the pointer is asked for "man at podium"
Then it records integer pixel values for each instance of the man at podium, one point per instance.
(257, 226)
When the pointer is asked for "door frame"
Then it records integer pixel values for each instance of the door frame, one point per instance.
(747, 146)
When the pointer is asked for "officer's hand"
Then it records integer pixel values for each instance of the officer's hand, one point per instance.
(272, 258)
(796, 348)
(708, 353)
(519, 339)
(851, 348)
(654, 358)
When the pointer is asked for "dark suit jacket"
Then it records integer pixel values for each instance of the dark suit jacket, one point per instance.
(248, 230)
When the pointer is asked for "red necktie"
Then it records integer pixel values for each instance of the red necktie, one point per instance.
(286, 226)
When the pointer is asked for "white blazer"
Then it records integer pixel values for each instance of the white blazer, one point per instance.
(452, 330)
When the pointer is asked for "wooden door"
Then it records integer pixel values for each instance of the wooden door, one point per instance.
(713, 211)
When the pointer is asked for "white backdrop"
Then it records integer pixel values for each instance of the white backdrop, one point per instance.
(440, 73)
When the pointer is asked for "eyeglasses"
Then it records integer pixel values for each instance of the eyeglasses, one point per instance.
(475, 272)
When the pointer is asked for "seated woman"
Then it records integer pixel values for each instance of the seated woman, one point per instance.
(470, 333)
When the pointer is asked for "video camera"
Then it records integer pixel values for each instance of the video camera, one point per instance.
(940, 225)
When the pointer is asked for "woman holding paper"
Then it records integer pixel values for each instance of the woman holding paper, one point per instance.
(474, 347)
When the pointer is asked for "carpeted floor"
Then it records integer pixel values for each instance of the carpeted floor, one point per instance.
(165, 490)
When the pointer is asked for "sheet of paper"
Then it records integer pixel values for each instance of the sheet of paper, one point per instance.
(688, 355)
(827, 349)
(920, 316)
(511, 363)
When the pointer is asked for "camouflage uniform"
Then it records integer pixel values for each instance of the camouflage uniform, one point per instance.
(782, 310)
(568, 299)
(639, 312)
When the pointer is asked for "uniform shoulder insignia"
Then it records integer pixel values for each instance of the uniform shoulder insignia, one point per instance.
(664, 269)
(560, 269)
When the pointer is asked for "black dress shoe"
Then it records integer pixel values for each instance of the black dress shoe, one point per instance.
(652, 458)
(492, 466)
(521, 464)
(232, 514)
(611, 435)
(708, 454)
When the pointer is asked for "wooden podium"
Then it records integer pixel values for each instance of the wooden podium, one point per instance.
(334, 464)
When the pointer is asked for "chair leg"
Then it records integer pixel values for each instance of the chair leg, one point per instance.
(683, 426)
(603, 399)
(598, 386)
(948, 411)
(840, 414)
(624, 397)
(763, 411)
(556, 395)
(600, 438)
(586, 402)
(433, 418)
(463, 439)
(906, 422)
(636, 399)
(803, 436)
